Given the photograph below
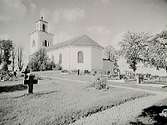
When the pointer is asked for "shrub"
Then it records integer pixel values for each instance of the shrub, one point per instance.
(64, 71)
(40, 61)
(100, 83)
(57, 67)
(50, 65)
(6, 75)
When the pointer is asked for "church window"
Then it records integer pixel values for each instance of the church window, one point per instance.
(80, 57)
(60, 58)
(43, 27)
(33, 43)
(46, 43)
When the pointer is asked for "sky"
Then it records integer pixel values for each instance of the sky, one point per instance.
(105, 21)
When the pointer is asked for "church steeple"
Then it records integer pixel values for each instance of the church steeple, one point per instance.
(41, 25)
(40, 37)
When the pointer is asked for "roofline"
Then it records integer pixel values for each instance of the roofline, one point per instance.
(50, 49)
(41, 20)
(75, 38)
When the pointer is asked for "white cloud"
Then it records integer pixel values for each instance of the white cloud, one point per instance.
(102, 34)
(69, 15)
(33, 7)
(105, 1)
(105, 35)
(61, 37)
(101, 30)
(73, 15)
(4, 37)
(12, 9)
(4, 18)
(45, 13)
(116, 40)
(56, 16)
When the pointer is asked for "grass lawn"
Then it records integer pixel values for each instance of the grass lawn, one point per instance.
(59, 102)
(59, 74)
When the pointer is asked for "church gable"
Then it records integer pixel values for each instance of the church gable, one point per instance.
(78, 41)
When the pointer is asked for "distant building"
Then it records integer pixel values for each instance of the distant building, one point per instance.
(79, 53)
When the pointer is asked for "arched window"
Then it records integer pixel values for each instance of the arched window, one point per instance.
(60, 58)
(46, 43)
(33, 43)
(43, 27)
(80, 57)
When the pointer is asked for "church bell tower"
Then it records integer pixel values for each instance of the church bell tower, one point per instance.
(40, 37)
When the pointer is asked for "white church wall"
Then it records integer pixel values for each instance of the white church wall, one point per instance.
(86, 65)
(45, 36)
(39, 24)
(92, 57)
(34, 36)
(65, 51)
(39, 37)
(97, 55)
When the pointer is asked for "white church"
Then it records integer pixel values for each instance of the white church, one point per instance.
(81, 53)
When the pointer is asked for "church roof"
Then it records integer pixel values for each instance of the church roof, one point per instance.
(83, 40)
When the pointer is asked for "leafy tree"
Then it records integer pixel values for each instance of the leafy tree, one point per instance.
(146, 48)
(20, 58)
(133, 48)
(6, 47)
(110, 53)
(157, 51)
(13, 59)
(40, 61)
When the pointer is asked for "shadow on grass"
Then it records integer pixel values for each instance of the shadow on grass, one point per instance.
(153, 113)
(39, 94)
(12, 88)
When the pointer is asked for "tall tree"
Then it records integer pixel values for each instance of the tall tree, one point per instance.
(110, 53)
(20, 58)
(157, 50)
(40, 61)
(13, 59)
(133, 48)
(1, 52)
(6, 49)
